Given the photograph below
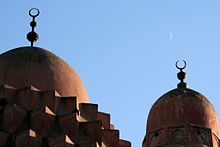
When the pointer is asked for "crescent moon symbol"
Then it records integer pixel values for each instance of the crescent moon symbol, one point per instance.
(181, 68)
(34, 12)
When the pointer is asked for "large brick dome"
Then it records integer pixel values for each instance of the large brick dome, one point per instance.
(33, 66)
(32, 114)
(182, 106)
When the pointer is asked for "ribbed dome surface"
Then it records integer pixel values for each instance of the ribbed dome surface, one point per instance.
(182, 106)
(26, 66)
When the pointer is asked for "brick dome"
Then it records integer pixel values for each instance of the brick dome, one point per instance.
(33, 66)
(32, 114)
(182, 106)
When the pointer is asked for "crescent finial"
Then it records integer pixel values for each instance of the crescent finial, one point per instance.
(34, 12)
(181, 75)
(32, 36)
(181, 68)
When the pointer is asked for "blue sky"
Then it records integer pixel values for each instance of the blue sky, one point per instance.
(125, 50)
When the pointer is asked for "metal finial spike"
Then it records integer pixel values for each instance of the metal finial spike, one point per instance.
(181, 75)
(33, 36)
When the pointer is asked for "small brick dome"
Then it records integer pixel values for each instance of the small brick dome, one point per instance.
(26, 66)
(182, 106)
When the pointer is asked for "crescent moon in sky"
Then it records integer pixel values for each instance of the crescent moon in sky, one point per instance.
(171, 35)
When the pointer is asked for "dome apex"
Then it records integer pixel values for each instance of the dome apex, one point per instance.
(33, 66)
(182, 106)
